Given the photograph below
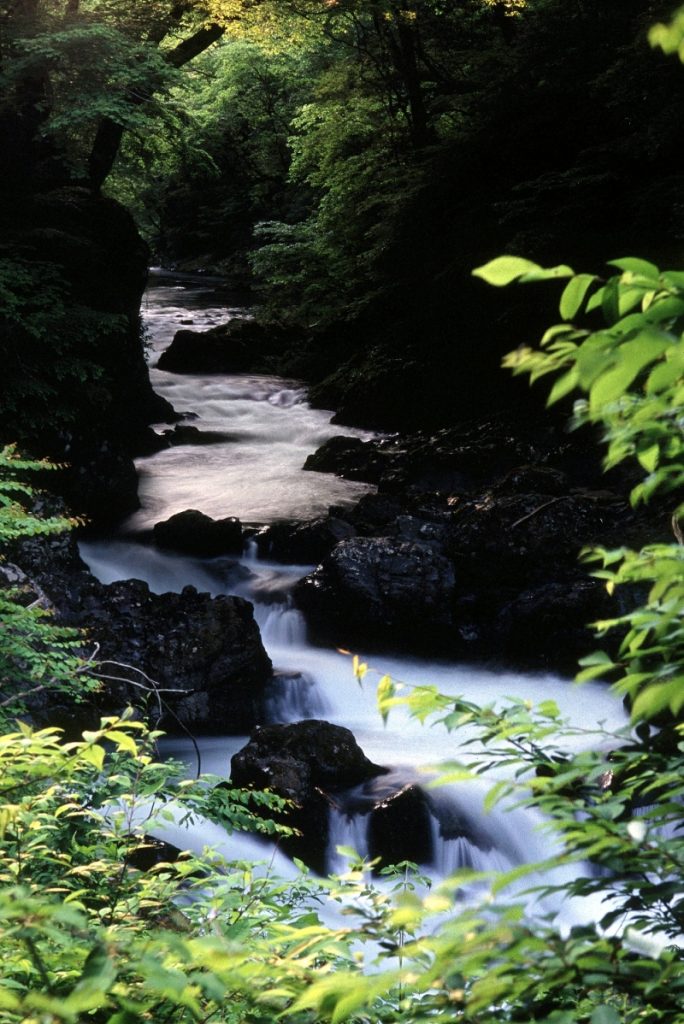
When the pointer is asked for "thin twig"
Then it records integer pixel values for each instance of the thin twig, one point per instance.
(540, 508)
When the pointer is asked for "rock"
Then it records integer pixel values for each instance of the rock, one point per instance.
(206, 649)
(183, 433)
(150, 852)
(381, 588)
(303, 543)
(350, 458)
(86, 397)
(400, 828)
(308, 763)
(239, 346)
(549, 624)
(194, 533)
(99, 482)
(518, 539)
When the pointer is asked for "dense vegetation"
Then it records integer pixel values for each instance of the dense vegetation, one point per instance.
(334, 147)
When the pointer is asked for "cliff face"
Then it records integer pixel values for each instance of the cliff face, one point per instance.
(75, 384)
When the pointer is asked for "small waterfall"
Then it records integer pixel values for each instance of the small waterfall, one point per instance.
(251, 553)
(255, 473)
(346, 830)
(451, 855)
(281, 625)
(294, 696)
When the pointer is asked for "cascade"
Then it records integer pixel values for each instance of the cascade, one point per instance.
(254, 472)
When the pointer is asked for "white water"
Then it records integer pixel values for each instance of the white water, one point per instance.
(257, 476)
(255, 473)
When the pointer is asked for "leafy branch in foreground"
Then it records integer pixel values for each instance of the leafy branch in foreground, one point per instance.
(626, 358)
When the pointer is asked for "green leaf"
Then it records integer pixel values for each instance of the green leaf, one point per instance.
(505, 269)
(547, 274)
(605, 1015)
(648, 457)
(574, 294)
(634, 265)
(563, 386)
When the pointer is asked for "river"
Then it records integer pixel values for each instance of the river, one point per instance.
(255, 473)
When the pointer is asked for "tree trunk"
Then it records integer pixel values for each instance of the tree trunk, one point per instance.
(110, 133)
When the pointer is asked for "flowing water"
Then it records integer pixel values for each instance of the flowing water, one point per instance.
(255, 472)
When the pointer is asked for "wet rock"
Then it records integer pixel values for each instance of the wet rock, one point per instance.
(519, 539)
(303, 543)
(550, 623)
(194, 533)
(350, 458)
(100, 482)
(306, 762)
(376, 588)
(239, 346)
(183, 433)
(205, 652)
(150, 852)
(87, 398)
(400, 828)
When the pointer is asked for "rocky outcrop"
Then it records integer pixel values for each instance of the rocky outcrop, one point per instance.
(303, 543)
(75, 382)
(194, 533)
(467, 552)
(308, 763)
(187, 660)
(239, 346)
(377, 588)
(400, 828)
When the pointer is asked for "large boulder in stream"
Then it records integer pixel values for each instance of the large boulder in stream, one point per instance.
(375, 588)
(239, 346)
(308, 763)
(194, 533)
(188, 660)
(300, 543)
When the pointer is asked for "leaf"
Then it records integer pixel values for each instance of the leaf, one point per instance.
(563, 386)
(385, 692)
(634, 265)
(633, 356)
(574, 293)
(605, 1015)
(648, 457)
(636, 829)
(504, 269)
(547, 274)
(94, 755)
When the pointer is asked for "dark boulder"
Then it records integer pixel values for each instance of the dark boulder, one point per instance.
(350, 458)
(303, 543)
(239, 346)
(194, 533)
(206, 652)
(400, 828)
(184, 433)
(550, 623)
(100, 482)
(380, 588)
(308, 763)
(76, 388)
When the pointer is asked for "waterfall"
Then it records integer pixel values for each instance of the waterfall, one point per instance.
(255, 473)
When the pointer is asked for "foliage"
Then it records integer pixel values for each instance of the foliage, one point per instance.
(50, 346)
(35, 654)
(630, 367)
